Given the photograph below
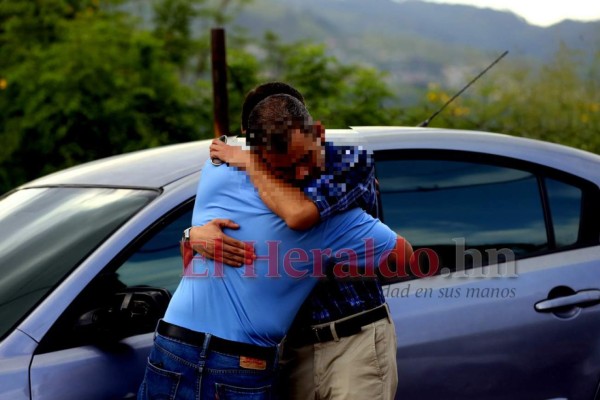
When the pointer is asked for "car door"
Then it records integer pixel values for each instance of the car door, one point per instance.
(90, 355)
(502, 301)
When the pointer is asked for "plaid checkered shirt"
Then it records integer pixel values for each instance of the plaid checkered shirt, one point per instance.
(349, 181)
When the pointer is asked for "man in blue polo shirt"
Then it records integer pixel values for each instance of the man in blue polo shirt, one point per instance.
(221, 330)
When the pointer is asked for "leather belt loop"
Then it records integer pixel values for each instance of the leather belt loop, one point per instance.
(334, 332)
(156, 328)
(205, 344)
(389, 314)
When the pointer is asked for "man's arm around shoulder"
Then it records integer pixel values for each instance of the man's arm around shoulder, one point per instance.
(394, 267)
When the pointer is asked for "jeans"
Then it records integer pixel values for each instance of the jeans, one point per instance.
(177, 370)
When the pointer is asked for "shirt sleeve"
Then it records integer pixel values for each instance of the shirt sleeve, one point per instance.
(348, 183)
(359, 238)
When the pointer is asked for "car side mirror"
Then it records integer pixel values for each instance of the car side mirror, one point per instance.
(129, 312)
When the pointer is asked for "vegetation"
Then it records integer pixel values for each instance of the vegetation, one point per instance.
(558, 103)
(84, 79)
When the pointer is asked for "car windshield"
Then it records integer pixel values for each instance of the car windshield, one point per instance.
(47, 232)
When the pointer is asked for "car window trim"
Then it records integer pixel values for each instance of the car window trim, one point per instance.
(545, 199)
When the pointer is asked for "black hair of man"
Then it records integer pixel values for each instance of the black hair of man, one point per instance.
(271, 122)
(263, 91)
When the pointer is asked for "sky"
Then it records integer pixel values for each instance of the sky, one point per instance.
(540, 12)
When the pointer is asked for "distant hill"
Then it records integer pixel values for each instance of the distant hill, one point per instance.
(417, 41)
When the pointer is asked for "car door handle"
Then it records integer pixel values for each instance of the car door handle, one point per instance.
(581, 298)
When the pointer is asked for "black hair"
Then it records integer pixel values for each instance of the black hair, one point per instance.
(263, 91)
(271, 122)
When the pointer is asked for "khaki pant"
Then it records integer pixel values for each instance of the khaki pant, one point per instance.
(362, 366)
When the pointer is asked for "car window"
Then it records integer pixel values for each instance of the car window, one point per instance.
(47, 232)
(475, 210)
(151, 260)
(157, 262)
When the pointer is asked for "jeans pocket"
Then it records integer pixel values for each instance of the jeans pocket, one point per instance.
(160, 384)
(229, 392)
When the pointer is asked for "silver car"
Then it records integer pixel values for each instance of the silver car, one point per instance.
(502, 302)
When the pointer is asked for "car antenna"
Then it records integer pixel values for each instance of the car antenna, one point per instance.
(428, 120)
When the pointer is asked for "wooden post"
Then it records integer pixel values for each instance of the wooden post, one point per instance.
(219, 78)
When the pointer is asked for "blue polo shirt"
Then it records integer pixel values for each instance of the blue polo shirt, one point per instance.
(256, 304)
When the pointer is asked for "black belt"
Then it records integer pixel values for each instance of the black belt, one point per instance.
(216, 343)
(345, 328)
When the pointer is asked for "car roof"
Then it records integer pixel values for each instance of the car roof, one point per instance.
(154, 168)
(151, 168)
(564, 158)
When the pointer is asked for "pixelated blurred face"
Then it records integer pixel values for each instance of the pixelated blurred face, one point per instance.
(302, 158)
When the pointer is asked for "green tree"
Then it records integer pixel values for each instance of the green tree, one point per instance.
(338, 94)
(557, 102)
(99, 87)
(82, 79)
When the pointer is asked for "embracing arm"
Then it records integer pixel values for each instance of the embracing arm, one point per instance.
(287, 201)
(209, 241)
(394, 268)
(284, 199)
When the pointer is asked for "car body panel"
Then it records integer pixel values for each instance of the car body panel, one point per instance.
(492, 338)
(107, 365)
(16, 351)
